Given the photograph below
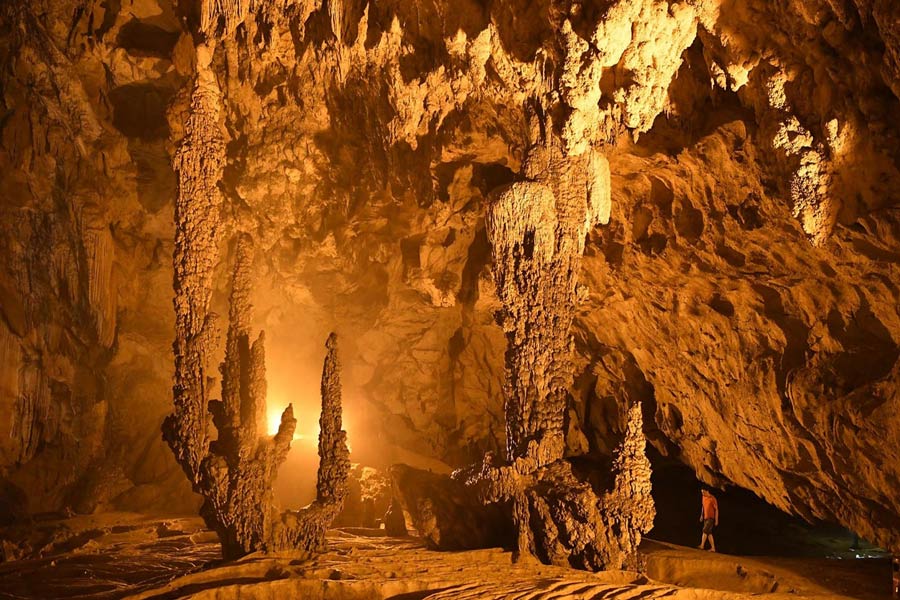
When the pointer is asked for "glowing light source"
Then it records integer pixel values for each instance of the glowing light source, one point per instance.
(274, 418)
(274, 422)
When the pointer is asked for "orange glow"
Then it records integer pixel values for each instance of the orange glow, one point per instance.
(274, 421)
(273, 417)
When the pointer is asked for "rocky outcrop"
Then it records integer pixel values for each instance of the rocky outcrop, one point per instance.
(446, 514)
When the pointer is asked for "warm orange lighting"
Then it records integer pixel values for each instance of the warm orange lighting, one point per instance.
(274, 421)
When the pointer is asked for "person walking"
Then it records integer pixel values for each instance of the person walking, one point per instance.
(709, 516)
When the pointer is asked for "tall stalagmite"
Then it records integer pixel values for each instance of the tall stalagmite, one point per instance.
(237, 470)
(199, 163)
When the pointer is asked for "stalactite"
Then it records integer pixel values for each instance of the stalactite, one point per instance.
(10, 365)
(35, 419)
(230, 12)
(537, 229)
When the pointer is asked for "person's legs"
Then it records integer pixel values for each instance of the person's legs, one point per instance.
(702, 542)
(712, 542)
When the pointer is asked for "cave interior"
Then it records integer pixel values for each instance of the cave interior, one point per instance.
(449, 298)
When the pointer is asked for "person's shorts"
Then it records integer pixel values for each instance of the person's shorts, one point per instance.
(708, 525)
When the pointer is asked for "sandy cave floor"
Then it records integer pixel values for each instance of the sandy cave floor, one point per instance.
(134, 556)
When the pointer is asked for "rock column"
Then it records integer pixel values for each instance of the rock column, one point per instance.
(235, 472)
(537, 230)
(199, 163)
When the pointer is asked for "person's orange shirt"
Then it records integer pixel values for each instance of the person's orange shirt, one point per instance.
(710, 507)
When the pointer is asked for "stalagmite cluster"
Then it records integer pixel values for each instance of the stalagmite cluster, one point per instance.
(236, 473)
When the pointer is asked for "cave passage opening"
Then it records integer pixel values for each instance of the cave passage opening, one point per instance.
(749, 525)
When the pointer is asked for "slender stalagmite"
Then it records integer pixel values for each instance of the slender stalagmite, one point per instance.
(305, 530)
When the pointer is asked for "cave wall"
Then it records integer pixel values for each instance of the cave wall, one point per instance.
(87, 221)
(745, 287)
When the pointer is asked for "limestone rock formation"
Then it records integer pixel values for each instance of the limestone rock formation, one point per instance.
(537, 231)
(744, 288)
(446, 514)
(235, 473)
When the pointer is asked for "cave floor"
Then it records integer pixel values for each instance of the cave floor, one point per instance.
(132, 556)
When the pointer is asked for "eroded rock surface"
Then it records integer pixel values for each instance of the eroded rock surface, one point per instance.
(745, 288)
(446, 514)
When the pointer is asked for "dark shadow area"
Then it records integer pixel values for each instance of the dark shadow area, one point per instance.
(144, 39)
(155, 178)
(748, 525)
(139, 110)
